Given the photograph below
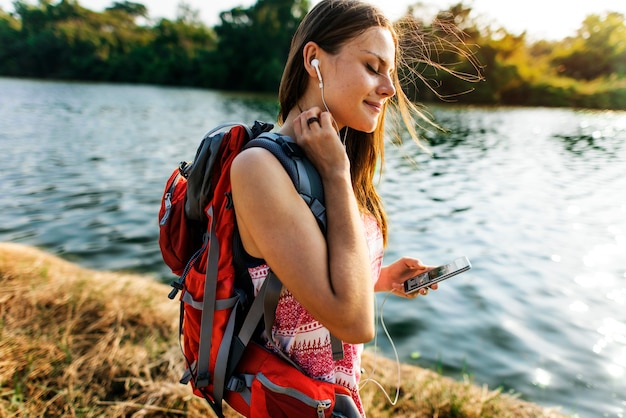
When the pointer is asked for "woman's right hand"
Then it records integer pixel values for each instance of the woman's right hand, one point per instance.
(316, 134)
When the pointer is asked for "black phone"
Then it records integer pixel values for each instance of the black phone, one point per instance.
(437, 274)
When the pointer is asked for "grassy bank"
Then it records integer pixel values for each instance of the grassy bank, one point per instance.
(76, 342)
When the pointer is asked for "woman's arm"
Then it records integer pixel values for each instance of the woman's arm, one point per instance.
(330, 276)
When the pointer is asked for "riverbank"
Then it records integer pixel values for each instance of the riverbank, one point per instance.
(77, 342)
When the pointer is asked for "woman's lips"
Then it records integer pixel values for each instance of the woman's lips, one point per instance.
(377, 107)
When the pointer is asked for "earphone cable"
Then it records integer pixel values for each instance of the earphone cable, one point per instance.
(345, 134)
(369, 379)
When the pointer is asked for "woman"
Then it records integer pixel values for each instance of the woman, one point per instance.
(338, 81)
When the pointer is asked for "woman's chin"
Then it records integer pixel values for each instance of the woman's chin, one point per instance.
(365, 127)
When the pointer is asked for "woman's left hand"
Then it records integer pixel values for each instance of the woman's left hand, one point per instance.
(393, 276)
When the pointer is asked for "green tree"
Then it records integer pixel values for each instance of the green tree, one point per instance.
(253, 44)
(40, 51)
(598, 50)
(122, 37)
(9, 44)
(129, 8)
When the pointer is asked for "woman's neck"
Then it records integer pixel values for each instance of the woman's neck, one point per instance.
(287, 126)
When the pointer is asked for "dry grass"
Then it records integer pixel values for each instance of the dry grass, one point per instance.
(75, 342)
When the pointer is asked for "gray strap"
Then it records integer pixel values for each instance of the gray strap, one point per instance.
(264, 304)
(318, 210)
(222, 127)
(221, 362)
(219, 304)
(208, 305)
(303, 178)
(188, 375)
(249, 326)
(270, 302)
(253, 317)
(345, 407)
(337, 346)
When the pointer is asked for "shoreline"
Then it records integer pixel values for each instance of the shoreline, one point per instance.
(82, 342)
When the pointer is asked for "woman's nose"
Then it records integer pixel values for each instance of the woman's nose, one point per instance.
(386, 87)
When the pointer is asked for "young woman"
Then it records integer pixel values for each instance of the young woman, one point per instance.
(339, 79)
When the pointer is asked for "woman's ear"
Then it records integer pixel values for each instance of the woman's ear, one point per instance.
(310, 53)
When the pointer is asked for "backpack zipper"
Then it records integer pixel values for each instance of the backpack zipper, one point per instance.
(319, 405)
(168, 201)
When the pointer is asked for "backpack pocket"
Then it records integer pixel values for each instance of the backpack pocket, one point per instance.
(175, 237)
(271, 399)
(280, 390)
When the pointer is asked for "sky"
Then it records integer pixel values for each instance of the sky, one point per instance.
(541, 19)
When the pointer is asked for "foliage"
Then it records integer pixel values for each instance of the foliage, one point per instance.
(247, 50)
(586, 70)
(253, 43)
(67, 41)
(598, 50)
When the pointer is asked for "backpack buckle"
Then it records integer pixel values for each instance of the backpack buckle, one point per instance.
(184, 168)
(202, 380)
(260, 127)
(186, 377)
(292, 149)
(176, 287)
(236, 384)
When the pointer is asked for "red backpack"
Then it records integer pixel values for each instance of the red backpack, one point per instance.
(220, 317)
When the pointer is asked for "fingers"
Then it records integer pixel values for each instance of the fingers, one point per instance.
(398, 289)
(312, 119)
(306, 124)
(326, 119)
(414, 263)
(309, 119)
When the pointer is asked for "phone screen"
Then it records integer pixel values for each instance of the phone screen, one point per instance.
(437, 274)
(440, 271)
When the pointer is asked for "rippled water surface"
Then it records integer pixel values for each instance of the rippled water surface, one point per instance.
(535, 197)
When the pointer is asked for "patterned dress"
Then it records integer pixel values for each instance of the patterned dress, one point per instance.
(306, 341)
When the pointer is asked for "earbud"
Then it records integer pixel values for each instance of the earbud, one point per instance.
(316, 64)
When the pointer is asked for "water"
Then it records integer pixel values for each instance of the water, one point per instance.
(534, 197)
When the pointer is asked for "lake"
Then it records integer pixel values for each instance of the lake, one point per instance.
(534, 197)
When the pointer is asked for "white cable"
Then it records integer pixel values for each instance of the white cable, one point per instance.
(395, 352)
(345, 134)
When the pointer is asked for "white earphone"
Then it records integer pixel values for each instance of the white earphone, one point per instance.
(316, 64)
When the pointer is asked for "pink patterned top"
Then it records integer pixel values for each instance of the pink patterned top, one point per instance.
(306, 341)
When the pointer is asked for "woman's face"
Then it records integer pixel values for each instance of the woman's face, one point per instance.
(358, 79)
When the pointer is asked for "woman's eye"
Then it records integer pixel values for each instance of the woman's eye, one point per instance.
(370, 68)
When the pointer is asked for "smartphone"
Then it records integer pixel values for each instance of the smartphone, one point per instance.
(437, 274)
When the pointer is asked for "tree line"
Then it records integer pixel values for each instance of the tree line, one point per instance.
(247, 49)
